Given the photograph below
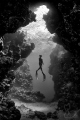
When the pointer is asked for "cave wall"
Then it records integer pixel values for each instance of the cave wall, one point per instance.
(14, 14)
(66, 81)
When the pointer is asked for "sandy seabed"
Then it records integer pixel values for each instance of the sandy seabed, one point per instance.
(42, 107)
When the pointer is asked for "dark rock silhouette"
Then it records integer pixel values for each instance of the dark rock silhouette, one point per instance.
(14, 15)
(40, 115)
(54, 115)
(65, 27)
(8, 110)
(49, 115)
(67, 79)
(10, 53)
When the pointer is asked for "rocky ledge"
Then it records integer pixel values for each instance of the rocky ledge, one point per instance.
(8, 110)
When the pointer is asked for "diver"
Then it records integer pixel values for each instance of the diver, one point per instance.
(40, 67)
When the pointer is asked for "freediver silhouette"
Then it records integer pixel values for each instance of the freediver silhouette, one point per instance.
(40, 67)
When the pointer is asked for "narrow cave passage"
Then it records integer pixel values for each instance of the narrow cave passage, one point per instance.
(46, 87)
(37, 33)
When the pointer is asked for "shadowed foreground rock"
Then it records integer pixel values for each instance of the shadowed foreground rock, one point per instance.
(22, 88)
(8, 110)
(49, 115)
(52, 115)
(40, 115)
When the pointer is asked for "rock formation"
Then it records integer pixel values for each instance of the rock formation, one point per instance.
(13, 15)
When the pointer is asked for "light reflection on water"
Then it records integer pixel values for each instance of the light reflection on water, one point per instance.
(46, 87)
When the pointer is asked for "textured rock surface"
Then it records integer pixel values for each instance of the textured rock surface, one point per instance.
(10, 20)
(66, 77)
(14, 14)
(8, 110)
(22, 88)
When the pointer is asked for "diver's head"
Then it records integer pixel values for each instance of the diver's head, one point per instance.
(40, 55)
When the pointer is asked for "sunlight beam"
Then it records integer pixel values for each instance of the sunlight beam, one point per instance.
(37, 31)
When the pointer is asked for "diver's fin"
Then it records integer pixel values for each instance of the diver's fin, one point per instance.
(44, 77)
(36, 75)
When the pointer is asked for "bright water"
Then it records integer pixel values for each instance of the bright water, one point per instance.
(46, 87)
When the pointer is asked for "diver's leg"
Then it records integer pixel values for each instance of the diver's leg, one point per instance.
(41, 70)
(43, 73)
(37, 71)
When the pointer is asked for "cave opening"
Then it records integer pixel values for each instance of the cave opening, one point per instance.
(36, 32)
(39, 41)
